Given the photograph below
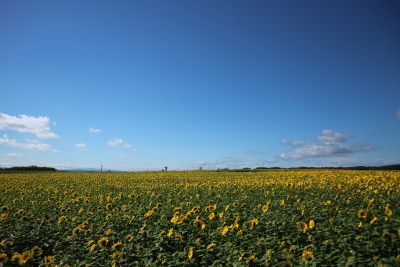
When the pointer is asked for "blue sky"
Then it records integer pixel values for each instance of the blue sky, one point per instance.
(137, 85)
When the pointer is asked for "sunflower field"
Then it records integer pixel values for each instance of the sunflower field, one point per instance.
(201, 218)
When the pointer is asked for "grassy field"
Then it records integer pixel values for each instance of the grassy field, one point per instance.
(201, 218)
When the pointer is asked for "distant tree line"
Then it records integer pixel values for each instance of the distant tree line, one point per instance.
(385, 167)
(28, 168)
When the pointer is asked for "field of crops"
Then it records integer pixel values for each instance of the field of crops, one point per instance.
(201, 218)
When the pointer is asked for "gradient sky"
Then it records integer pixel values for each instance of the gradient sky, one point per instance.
(137, 85)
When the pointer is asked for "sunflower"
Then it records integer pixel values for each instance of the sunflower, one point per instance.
(362, 214)
(19, 212)
(24, 257)
(264, 208)
(3, 216)
(118, 244)
(225, 230)
(4, 208)
(62, 219)
(36, 251)
(2, 246)
(253, 223)
(190, 253)
(240, 232)
(92, 247)
(210, 245)
(3, 257)
(307, 256)
(15, 256)
(108, 232)
(199, 223)
(384, 233)
(211, 216)
(250, 258)
(388, 211)
(102, 241)
(128, 237)
(170, 232)
(117, 255)
(311, 224)
(108, 216)
(303, 226)
(148, 214)
(47, 259)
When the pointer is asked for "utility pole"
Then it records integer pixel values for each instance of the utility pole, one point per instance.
(101, 168)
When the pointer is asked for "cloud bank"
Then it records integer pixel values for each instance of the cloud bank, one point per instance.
(327, 143)
(27, 124)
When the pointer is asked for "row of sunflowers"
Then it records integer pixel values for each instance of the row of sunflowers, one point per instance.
(201, 218)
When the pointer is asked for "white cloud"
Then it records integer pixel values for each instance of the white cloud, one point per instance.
(115, 142)
(92, 130)
(27, 124)
(81, 146)
(328, 143)
(32, 146)
(14, 154)
(126, 145)
(331, 136)
(121, 157)
(398, 113)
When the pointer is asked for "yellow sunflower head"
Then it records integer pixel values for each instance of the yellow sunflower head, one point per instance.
(362, 214)
(307, 256)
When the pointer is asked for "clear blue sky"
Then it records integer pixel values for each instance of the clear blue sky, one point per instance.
(136, 85)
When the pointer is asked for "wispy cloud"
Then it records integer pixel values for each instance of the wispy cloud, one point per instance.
(327, 143)
(81, 146)
(14, 154)
(254, 152)
(27, 124)
(31, 145)
(92, 130)
(116, 142)
(398, 113)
